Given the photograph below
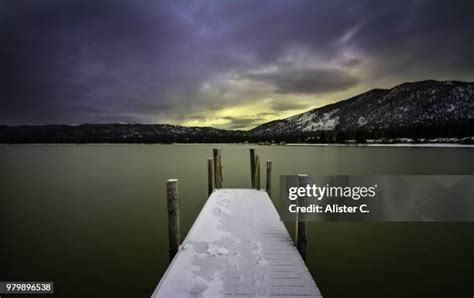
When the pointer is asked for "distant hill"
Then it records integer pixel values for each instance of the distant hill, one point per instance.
(417, 112)
(115, 133)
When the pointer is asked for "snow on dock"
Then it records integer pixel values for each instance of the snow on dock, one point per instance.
(237, 247)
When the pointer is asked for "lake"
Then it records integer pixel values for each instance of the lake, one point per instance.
(92, 218)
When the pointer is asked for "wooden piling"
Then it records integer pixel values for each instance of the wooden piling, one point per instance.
(216, 154)
(257, 172)
(302, 232)
(252, 167)
(173, 217)
(221, 178)
(268, 187)
(210, 186)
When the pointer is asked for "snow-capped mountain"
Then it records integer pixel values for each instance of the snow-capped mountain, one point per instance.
(425, 103)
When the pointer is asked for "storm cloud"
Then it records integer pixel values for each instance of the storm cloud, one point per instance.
(219, 63)
(308, 81)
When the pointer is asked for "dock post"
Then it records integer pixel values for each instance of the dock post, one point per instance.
(173, 216)
(221, 178)
(216, 154)
(302, 232)
(268, 187)
(210, 186)
(257, 172)
(252, 167)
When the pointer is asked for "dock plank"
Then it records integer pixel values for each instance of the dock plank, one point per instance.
(237, 246)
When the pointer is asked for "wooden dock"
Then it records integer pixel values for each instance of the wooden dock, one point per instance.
(237, 246)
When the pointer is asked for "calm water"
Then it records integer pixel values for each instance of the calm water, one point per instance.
(92, 218)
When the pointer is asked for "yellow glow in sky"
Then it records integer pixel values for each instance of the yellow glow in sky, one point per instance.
(246, 116)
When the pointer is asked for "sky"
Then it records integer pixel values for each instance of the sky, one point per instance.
(230, 64)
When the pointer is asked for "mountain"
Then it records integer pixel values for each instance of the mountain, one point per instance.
(420, 111)
(419, 105)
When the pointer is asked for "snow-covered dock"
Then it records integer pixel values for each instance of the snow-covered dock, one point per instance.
(238, 246)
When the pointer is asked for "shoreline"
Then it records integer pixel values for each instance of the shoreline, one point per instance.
(408, 145)
(405, 145)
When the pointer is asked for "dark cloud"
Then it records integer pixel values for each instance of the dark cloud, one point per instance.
(81, 61)
(418, 38)
(306, 81)
(287, 105)
(60, 55)
(240, 123)
(264, 114)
